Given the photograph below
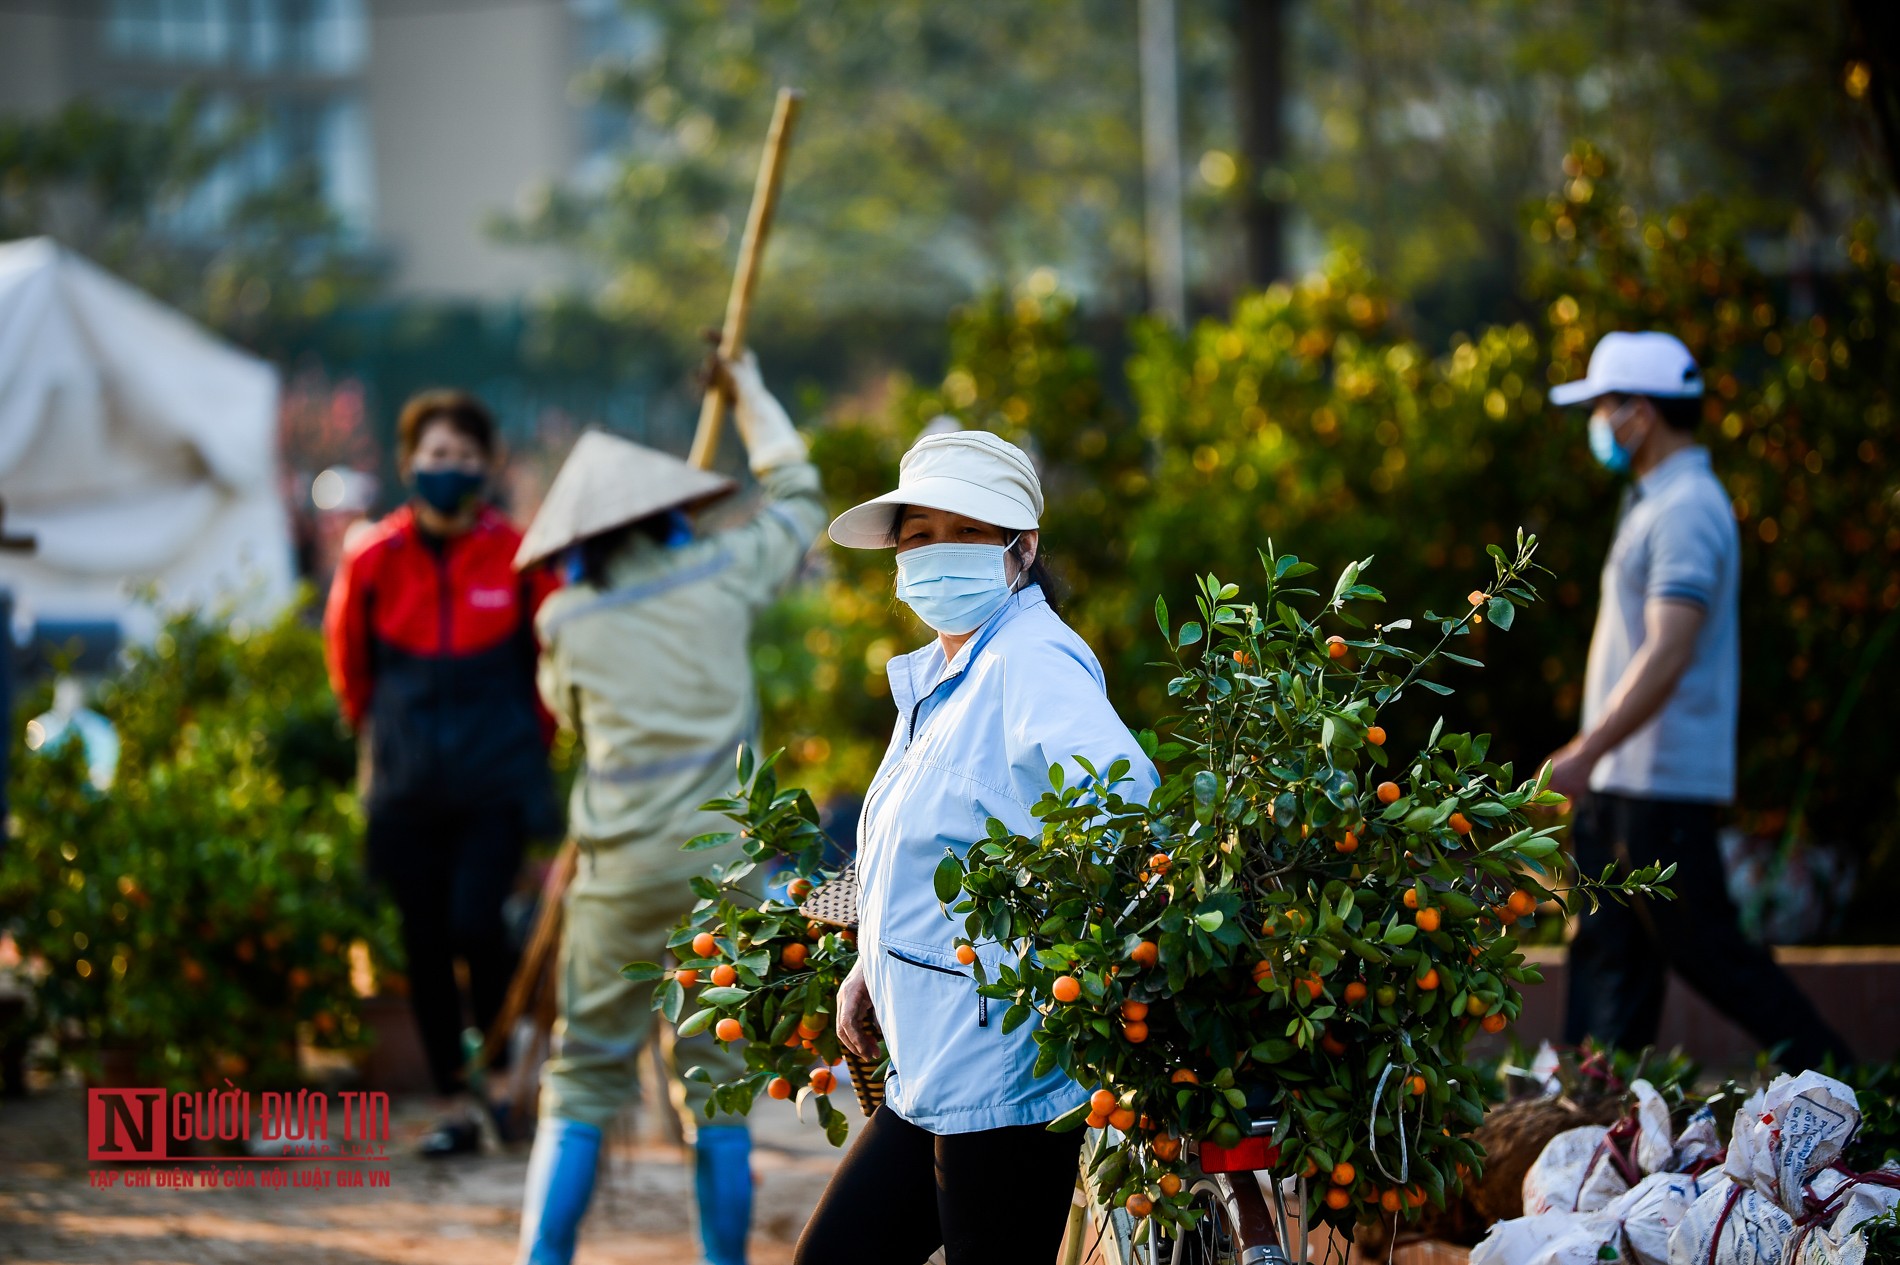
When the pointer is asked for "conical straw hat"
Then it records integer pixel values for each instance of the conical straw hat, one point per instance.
(608, 482)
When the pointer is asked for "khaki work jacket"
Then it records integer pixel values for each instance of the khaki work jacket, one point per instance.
(655, 673)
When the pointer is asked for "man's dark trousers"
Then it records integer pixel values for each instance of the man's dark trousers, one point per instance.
(1621, 956)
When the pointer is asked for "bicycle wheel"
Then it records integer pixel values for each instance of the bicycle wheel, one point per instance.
(1235, 1226)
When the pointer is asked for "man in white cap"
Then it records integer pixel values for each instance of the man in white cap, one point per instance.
(646, 656)
(1655, 760)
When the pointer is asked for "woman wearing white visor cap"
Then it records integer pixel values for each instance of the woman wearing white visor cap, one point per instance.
(958, 1156)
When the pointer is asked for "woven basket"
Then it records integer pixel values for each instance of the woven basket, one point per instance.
(864, 1079)
(836, 903)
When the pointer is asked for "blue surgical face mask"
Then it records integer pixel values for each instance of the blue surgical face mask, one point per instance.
(448, 491)
(954, 588)
(1611, 455)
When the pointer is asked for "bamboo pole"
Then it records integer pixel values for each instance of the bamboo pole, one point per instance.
(758, 224)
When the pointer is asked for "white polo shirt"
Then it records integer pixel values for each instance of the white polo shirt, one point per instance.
(1676, 539)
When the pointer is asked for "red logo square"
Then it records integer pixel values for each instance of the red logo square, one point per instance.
(126, 1124)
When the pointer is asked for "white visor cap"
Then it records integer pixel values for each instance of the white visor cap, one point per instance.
(1635, 364)
(968, 472)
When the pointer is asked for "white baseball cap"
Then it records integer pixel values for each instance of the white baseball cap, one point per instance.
(968, 472)
(1635, 364)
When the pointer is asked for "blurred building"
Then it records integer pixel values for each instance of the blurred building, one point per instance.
(423, 118)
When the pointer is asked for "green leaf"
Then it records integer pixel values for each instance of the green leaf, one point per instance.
(722, 997)
(1347, 579)
(1434, 686)
(1209, 920)
(639, 972)
(716, 839)
(672, 1000)
(1161, 614)
(1071, 1120)
(1400, 934)
(948, 880)
(700, 1021)
(1190, 634)
(1501, 612)
(1206, 789)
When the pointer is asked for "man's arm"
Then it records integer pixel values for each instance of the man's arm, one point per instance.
(346, 636)
(1669, 634)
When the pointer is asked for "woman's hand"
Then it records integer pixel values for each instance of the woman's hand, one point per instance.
(857, 1020)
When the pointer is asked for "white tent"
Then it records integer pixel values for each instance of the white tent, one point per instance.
(135, 447)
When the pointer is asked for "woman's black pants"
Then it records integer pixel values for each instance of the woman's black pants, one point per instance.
(995, 1197)
(449, 871)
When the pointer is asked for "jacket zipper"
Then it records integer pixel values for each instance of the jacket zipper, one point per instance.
(918, 706)
(982, 1002)
(445, 602)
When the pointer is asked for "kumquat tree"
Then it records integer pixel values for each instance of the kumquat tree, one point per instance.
(771, 974)
(1300, 924)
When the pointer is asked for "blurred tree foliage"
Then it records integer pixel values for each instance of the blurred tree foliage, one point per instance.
(127, 191)
(949, 148)
(942, 149)
(1311, 417)
(1426, 127)
(203, 912)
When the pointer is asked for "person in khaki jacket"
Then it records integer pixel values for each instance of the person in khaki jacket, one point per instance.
(646, 656)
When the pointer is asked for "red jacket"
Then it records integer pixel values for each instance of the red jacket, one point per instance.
(431, 645)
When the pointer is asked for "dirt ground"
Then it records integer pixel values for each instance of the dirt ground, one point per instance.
(441, 1212)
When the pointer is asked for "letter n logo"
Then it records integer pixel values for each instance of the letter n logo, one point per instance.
(125, 1124)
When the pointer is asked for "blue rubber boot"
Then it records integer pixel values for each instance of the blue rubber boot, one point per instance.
(722, 1182)
(560, 1183)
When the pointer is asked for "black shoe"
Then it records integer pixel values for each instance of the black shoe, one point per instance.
(451, 1137)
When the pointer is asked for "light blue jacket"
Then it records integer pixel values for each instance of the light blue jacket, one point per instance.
(975, 739)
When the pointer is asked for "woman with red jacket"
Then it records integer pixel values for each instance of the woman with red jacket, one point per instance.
(430, 636)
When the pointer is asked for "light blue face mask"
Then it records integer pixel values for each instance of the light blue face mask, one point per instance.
(953, 588)
(1611, 455)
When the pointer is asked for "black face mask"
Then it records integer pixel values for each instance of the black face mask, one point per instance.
(447, 492)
